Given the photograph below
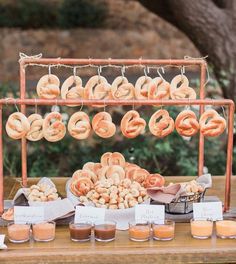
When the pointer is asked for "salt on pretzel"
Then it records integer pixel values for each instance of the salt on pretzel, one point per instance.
(159, 89)
(103, 126)
(48, 87)
(84, 173)
(161, 124)
(79, 125)
(132, 124)
(211, 123)
(17, 125)
(122, 89)
(184, 91)
(141, 87)
(36, 127)
(81, 186)
(72, 89)
(53, 127)
(115, 158)
(186, 123)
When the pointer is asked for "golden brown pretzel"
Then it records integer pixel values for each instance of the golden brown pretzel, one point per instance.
(184, 91)
(163, 126)
(17, 125)
(79, 125)
(103, 126)
(115, 158)
(72, 88)
(141, 87)
(48, 87)
(137, 174)
(154, 180)
(91, 166)
(81, 186)
(97, 87)
(132, 124)
(186, 123)
(53, 128)
(36, 127)
(122, 89)
(84, 173)
(114, 172)
(211, 123)
(159, 89)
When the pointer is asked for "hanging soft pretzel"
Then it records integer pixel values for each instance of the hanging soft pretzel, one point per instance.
(72, 88)
(122, 89)
(184, 91)
(103, 126)
(36, 127)
(211, 123)
(161, 124)
(115, 158)
(159, 89)
(79, 125)
(186, 123)
(132, 124)
(48, 87)
(97, 87)
(141, 87)
(154, 180)
(53, 128)
(17, 125)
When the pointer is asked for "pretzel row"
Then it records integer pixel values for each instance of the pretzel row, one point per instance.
(52, 128)
(97, 87)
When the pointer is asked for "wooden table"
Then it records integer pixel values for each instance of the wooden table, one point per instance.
(183, 249)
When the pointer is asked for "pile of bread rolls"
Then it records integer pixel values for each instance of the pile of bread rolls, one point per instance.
(113, 183)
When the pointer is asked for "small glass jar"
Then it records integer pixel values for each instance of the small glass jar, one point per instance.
(18, 233)
(226, 229)
(80, 232)
(105, 231)
(165, 231)
(44, 232)
(139, 232)
(201, 229)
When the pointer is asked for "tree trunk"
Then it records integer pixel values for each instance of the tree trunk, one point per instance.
(211, 26)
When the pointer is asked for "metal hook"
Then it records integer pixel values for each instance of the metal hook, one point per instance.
(158, 72)
(182, 71)
(145, 71)
(223, 110)
(17, 109)
(99, 73)
(82, 104)
(74, 72)
(123, 72)
(49, 69)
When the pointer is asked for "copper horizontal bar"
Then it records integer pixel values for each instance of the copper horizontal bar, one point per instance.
(112, 61)
(79, 102)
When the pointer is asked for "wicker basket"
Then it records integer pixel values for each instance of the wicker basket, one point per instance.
(184, 205)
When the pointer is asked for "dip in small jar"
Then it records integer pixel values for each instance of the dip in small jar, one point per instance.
(18, 233)
(165, 231)
(201, 229)
(44, 232)
(105, 231)
(80, 231)
(139, 232)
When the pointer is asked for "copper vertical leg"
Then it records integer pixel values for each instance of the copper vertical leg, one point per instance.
(1, 167)
(229, 158)
(23, 141)
(201, 110)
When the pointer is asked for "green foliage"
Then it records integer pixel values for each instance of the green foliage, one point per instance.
(82, 13)
(43, 14)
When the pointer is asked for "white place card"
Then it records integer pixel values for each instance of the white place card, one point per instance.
(2, 245)
(150, 213)
(208, 210)
(28, 214)
(89, 214)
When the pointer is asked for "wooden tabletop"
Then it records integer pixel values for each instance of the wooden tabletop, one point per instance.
(183, 249)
